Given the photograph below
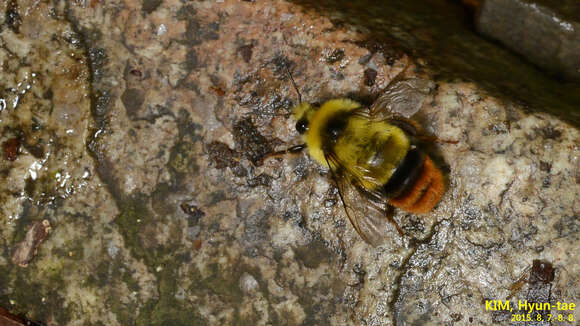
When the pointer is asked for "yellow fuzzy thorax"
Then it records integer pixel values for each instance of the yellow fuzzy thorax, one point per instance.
(362, 141)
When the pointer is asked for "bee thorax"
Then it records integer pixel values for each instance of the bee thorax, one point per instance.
(334, 129)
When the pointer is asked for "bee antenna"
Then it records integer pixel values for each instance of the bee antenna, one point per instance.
(294, 84)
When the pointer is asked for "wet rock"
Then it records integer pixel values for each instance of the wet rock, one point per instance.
(222, 155)
(251, 143)
(259, 244)
(332, 56)
(260, 180)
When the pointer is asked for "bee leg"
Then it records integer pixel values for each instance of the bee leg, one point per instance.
(390, 212)
(291, 150)
(435, 139)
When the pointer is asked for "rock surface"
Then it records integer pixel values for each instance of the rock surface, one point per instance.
(142, 125)
(545, 32)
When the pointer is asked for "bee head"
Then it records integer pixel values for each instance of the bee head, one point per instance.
(303, 113)
(302, 126)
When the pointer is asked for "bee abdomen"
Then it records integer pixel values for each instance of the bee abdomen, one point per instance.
(406, 174)
(425, 192)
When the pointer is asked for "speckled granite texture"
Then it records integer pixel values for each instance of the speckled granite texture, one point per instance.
(139, 127)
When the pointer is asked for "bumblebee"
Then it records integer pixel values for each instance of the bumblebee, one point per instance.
(372, 154)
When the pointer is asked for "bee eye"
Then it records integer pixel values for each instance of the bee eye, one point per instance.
(302, 126)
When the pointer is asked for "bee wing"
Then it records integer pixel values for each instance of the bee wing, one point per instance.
(366, 209)
(402, 97)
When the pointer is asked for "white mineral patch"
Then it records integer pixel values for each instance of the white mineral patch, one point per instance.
(321, 187)
(497, 174)
(162, 29)
(248, 283)
(180, 293)
(112, 250)
(287, 234)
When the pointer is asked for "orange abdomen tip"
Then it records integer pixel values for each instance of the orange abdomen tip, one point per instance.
(425, 193)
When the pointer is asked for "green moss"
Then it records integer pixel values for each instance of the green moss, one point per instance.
(130, 281)
(99, 276)
(73, 250)
(135, 225)
(5, 280)
(125, 312)
(23, 223)
(53, 276)
(168, 310)
(221, 283)
(28, 297)
(227, 289)
(131, 221)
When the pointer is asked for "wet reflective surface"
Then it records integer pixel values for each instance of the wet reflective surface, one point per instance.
(139, 140)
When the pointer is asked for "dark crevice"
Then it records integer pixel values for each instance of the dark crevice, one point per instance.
(13, 19)
(398, 282)
(98, 100)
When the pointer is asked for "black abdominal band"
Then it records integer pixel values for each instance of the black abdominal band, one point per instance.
(406, 174)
